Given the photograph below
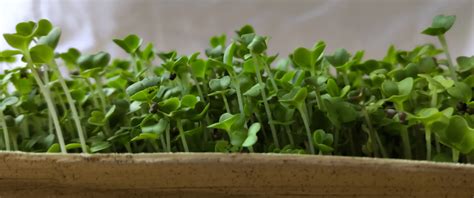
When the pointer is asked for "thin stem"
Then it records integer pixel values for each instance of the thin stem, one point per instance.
(434, 99)
(290, 137)
(95, 101)
(103, 101)
(381, 147)
(50, 104)
(5, 131)
(168, 138)
(100, 92)
(226, 103)
(250, 148)
(444, 44)
(428, 142)
(163, 143)
(239, 97)
(318, 99)
(371, 131)
(14, 141)
(455, 155)
(72, 106)
(127, 146)
(437, 144)
(305, 118)
(270, 74)
(181, 133)
(265, 102)
(406, 143)
(434, 103)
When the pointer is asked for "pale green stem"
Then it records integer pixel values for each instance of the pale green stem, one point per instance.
(305, 118)
(270, 74)
(406, 143)
(455, 155)
(382, 148)
(444, 44)
(103, 101)
(49, 103)
(168, 138)
(288, 132)
(226, 103)
(265, 102)
(6, 136)
(163, 143)
(95, 101)
(239, 99)
(371, 131)
(72, 106)
(428, 142)
(100, 92)
(15, 144)
(181, 133)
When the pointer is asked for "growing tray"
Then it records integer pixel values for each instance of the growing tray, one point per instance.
(227, 175)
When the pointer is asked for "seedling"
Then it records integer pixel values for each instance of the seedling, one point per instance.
(235, 97)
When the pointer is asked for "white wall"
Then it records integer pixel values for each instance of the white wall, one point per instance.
(186, 25)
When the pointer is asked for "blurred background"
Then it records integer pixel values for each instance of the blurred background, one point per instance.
(186, 25)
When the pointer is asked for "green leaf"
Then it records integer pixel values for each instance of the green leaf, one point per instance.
(42, 54)
(246, 29)
(100, 59)
(465, 63)
(461, 91)
(157, 128)
(43, 28)
(295, 97)
(169, 105)
(8, 102)
(198, 68)
(323, 141)
(54, 148)
(71, 56)
(339, 58)
(130, 43)
(441, 24)
(145, 136)
(135, 106)
(17, 41)
(252, 135)
(225, 122)
(71, 146)
(99, 146)
(189, 101)
(405, 86)
(220, 84)
(255, 90)
(456, 133)
(340, 111)
(229, 53)
(258, 45)
(98, 118)
(237, 136)
(332, 88)
(51, 39)
(145, 95)
(303, 58)
(143, 84)
(25, 28)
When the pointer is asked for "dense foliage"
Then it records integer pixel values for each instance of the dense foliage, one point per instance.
(412, 104)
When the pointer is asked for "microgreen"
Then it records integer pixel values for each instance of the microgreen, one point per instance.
(236, 97)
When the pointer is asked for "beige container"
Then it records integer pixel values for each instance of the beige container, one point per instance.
(227, 175)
